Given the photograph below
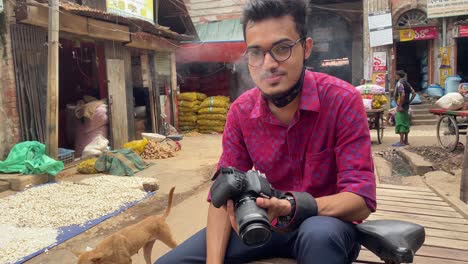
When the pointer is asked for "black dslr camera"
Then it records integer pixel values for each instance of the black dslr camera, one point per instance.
(243, 189)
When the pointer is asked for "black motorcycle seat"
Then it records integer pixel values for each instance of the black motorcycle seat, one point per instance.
(393, 241)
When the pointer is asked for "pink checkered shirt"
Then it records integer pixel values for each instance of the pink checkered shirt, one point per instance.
(326, 149)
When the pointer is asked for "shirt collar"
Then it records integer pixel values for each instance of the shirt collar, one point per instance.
(309, 98)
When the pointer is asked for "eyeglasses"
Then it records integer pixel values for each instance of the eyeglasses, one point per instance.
(281, 52)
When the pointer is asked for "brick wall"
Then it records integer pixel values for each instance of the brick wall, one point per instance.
(9, 120)
(203, 11)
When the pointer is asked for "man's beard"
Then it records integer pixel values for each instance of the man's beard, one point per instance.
(282, 99)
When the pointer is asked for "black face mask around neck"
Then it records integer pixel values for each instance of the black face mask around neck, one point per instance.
(283, 99)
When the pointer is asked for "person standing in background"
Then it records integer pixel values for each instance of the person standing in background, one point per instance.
(403, 90)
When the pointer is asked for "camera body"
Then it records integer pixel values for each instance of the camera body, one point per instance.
(243, 189)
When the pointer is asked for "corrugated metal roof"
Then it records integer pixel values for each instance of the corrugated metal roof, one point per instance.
(220, 31)
(133, 22)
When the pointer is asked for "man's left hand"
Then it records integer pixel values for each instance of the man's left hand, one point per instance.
(275, 207)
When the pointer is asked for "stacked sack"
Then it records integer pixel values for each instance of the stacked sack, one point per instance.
(373, 96)
(212, 114)
(189, 104)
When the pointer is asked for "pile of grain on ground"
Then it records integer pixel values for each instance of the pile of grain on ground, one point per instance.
(159, 150)
(118, 181)
(192, 134)
(66, 203)
(16, 243)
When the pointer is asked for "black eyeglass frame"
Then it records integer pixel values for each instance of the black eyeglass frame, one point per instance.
(290, 46)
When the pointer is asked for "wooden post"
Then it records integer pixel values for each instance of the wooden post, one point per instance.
(464, 176)
(52, 81)
(174, 117)
(157, 126)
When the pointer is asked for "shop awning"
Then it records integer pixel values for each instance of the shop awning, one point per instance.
(220, 41)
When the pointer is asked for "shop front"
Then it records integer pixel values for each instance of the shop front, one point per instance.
(461, 43)
(414, 54)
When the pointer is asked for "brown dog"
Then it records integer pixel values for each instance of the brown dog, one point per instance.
(121, 246)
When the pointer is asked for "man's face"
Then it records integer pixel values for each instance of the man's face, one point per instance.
(274, 77)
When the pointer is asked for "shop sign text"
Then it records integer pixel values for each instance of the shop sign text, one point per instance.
(421, 33)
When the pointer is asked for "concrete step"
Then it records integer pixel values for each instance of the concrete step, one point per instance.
(424, 117)
(423, 106)
(423, 122)
(421, 111)
(4, 186)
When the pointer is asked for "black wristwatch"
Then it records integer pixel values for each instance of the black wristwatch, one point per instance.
(284, 220)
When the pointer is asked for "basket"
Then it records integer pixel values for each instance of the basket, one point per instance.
(66, 155)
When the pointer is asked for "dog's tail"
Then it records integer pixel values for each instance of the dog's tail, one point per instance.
(169, 202)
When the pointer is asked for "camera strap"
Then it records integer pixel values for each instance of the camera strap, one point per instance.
(306, 207)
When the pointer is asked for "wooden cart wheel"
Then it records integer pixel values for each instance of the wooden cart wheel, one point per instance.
(380, 127)
(447, 133)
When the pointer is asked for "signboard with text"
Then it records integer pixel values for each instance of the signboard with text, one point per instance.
(142, 9)
(420, 33)
(380, 28)
(463, 31)
(446, 8)
(379, 63)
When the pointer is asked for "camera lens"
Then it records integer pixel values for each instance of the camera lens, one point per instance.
(256, 234)
(254, 227)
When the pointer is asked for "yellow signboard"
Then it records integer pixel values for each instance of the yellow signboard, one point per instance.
(142, 9)
(445, 53)
(444, 73)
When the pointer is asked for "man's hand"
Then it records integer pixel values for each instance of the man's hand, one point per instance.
(275, 208)
(399, 109)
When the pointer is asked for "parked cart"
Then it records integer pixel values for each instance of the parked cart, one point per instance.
(450, 126)
(375, 117)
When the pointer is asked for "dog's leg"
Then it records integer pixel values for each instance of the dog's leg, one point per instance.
(147, 251)
(165, 235)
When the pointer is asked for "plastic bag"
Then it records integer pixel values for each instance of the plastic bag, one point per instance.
(87, 167)
(451, 101)
(137, 145)
(97, 146)
(367, 103)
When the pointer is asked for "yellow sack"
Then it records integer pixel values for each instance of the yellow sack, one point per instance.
(210, 129)
(188, 123)
(188, 118)
(212, 117)
(187, 128)
(137, 145)
(211, 122)
(187, 113)
(191, 96)
(215, 101)
(87, 167)
(213, 110)
(189, 104)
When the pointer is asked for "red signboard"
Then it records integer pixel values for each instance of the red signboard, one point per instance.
(419, 33)
(463, 31)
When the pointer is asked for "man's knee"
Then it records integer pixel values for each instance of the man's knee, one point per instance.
(326, 230)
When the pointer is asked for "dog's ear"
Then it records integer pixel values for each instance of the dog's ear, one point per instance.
(96, 258)
(76, 253)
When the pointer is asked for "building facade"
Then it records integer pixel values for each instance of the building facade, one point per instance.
(429, 49)
(125, 61)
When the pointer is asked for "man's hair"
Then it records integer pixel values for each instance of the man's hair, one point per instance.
(258, 10)
(401, 73)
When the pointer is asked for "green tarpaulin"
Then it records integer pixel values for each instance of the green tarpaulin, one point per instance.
(29, 158)
(122, 162)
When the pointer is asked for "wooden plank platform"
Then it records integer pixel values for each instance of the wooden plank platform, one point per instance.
(446, 229)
